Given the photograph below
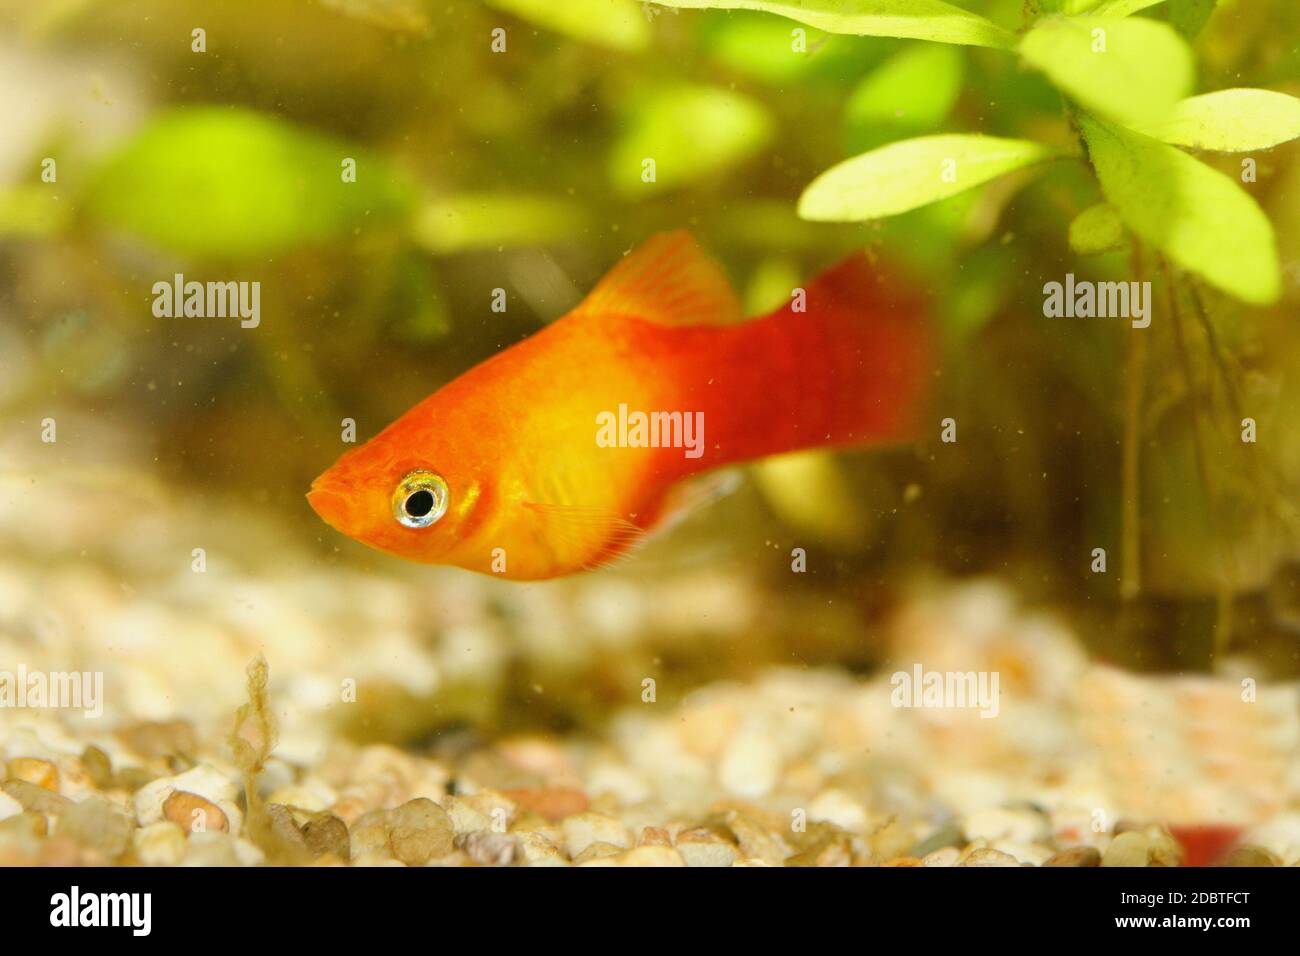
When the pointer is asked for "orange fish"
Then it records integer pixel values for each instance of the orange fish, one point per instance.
(558, 454)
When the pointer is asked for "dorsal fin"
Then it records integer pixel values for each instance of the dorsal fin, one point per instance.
(668, 280)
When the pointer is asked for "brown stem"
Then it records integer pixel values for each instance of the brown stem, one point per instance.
(1130, 585)
(1223, 582)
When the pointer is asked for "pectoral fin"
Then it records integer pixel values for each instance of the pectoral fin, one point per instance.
(600, 537)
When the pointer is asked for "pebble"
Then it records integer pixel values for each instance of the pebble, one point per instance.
(654, 836)
(9, 807)
(663, 786)
(754, 841)
(1281, 836)
(701, 846)
(496, 806)
(944, 856)
(314, 799)
(1251, 856)
(986, 856)
(196, 814)
(211, 848)
(99, 823)
(248, 853)
(623, 783)
(750, 765)
(285, 831)
(553, 803)
(325, 834)
(28, 823)
(369, 834)
(1075, 856)
(1033, 853)
(997, 823)
(492, 849)
(1142, 848)
(465, 817)
(652, 856)
(598, 851)
(152, 738)
(539, 850)
(837, 807)
(32, 770)
(35, 797)
(98, 766)
(583, 829)
(639, 857)
(159, 844)
(834, 849)
(1127, 849)
(201, 781)
(947, 836)
(420, 831)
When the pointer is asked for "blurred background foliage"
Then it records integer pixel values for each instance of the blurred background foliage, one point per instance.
(521, 169)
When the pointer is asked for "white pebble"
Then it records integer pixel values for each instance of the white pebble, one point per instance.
(159, 844)
(998, 823)
(750, 765)
(583, 829)
(837, 807)
(9, 807)
(203, 780)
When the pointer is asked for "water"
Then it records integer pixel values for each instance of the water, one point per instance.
(230, 257)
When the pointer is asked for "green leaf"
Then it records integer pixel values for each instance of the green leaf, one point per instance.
(912, 173)
(770, 284)
(689, 132)
(1199, 217)
(914, 19)
(33, 211)
(1130, 71)
(1107, 8)
(1231, 121)
(762, 47)
(1096, 230)
(618, 24)
(233, 182)
(491, 220)
(915, 88)
(408, 16)
(1189, 17)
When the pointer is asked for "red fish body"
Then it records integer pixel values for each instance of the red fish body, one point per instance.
(557, 454)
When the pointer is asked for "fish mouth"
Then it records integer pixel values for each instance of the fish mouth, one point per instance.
(330, 502)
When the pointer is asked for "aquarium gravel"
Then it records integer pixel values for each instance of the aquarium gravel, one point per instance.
(231, 734)
(649, 433)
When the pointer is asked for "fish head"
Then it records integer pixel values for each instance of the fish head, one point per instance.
(409, 505)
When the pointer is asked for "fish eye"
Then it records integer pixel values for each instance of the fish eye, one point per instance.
(420, 499)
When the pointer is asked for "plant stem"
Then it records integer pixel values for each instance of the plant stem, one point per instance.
(1223, 582)
(1130, 585)
(1266, 480)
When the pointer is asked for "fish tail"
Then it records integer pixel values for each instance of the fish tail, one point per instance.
(847, 362)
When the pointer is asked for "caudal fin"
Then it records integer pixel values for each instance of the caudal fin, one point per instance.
(847, 363)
